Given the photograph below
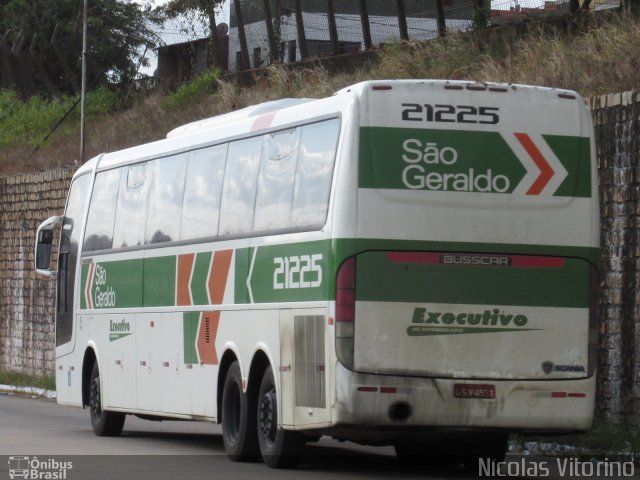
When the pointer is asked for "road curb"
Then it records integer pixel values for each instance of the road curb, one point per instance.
(33, 391)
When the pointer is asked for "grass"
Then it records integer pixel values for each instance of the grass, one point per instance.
(48, 382)
(596, 60)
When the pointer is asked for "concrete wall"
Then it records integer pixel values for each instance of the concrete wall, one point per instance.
(617, 124)
(26, 301)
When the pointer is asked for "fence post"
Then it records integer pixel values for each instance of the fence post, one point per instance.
(366, 29)
(244, 60)
(402, 20)
(333, 29)
(268, 21)
(442, 25)
(481, 15)
(302, 38)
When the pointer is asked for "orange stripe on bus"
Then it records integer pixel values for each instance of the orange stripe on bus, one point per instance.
(263, 121)
(546, 172)
(185, 266)
(207, 333)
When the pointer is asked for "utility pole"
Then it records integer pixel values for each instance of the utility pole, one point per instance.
(83, 94)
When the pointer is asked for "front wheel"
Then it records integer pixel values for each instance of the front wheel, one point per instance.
(105, 424)
(279, 448)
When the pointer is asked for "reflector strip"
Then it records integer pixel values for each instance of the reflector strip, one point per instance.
(558, 394)
(387, 389)
(522, 261)
(382, 87)
(475, 259)
(367, 389)
(577, 395)
(414, 257)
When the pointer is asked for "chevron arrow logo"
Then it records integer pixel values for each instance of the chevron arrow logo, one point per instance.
(545, 173)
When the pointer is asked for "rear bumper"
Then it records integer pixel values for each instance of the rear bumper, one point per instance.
(519, 406)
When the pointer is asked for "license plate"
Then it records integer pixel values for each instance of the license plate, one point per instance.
(474, 390)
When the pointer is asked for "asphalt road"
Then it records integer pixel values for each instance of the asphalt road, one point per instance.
(171, 450)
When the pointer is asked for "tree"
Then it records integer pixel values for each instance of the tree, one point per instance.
(41, 44)
(206, 8)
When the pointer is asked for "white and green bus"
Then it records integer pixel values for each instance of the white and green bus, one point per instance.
(407, 263)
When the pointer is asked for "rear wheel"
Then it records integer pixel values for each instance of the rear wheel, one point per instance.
(279, 448)
(105, 424)
(238, 419)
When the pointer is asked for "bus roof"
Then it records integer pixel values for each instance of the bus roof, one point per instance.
(289, 110)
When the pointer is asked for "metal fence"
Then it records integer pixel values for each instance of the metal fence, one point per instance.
(267, 31)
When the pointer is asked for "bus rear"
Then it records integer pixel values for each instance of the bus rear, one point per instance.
(466, 299)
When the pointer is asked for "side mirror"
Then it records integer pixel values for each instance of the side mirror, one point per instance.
(44, 241)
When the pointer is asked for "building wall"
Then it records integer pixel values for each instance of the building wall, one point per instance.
(26, 300)
(27, 335)
(617, 125)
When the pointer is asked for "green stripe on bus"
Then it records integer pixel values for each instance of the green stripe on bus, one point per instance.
(159, 281)
(241, 293)
(280, 273)
(469, 154)
(84, 271)
(469, 161)
(380, 280)
(200, 278)
(293, 272)
(575, 155)
(117, 284)
(190, 330)
(344, 248)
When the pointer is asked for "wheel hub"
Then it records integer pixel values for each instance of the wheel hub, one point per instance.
(268, 418)
(94, 398)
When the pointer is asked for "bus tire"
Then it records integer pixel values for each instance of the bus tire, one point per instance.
(105, 424)
(238, 419)
(279, 448)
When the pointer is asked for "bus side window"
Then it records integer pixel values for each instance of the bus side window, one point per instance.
(131, 213)
(102, 211)
(318, 143)
(165, 198)
(275, 182)
(239, 190)
(203, 192)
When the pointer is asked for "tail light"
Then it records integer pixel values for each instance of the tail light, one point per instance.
(346, 311)
(594, 320)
